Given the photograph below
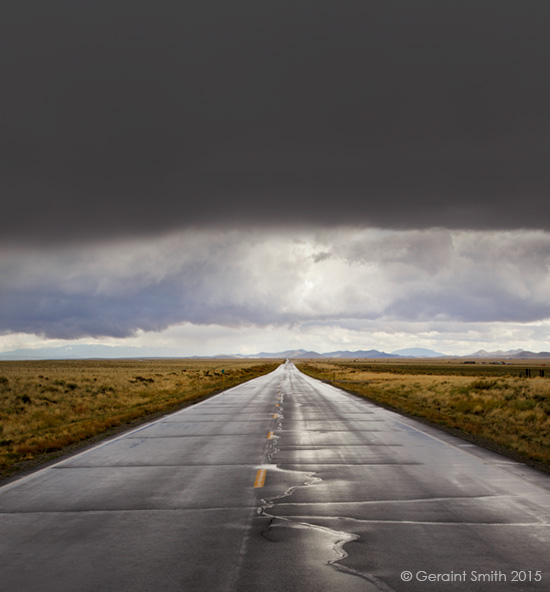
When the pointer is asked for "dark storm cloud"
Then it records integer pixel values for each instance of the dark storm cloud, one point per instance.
(140, 117)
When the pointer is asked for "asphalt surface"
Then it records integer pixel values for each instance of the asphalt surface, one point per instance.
(280, 484)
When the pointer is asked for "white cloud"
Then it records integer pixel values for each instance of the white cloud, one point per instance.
(189, 339)
(359, 287)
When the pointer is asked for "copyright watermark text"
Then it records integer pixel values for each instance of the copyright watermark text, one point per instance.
(473, 576)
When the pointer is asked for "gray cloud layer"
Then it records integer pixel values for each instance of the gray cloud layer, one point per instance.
(238, 279)
(125, 118)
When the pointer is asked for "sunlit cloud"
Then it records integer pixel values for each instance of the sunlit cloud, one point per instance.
(339, 281)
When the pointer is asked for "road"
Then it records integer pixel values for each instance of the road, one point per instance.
(280, 484)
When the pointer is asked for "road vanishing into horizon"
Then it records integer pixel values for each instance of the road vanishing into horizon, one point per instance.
(280, 484)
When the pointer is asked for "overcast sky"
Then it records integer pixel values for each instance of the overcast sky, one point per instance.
(241, 175)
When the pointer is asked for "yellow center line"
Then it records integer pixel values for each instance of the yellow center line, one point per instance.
(269, 435)
(260, 478)
(275, 416)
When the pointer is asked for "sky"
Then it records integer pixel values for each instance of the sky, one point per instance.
(197, 178)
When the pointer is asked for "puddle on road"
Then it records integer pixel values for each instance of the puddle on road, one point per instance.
(278, 527)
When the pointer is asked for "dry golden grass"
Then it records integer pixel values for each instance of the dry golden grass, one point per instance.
(46, 406)
(493, 404)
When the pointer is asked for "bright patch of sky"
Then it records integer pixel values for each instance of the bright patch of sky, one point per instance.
(210, 292)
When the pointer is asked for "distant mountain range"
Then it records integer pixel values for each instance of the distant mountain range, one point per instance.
(106, 351)
(513, 354)
(301, 353)
(72, 352)
(417, 352)
(410, 352)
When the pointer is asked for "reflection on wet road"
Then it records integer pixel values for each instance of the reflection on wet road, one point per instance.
(282, 483)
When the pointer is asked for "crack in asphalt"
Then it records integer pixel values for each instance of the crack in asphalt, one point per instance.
(340, 538)
(422, 500)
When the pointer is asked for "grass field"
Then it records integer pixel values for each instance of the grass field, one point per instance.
(48, 406)
(493, 404)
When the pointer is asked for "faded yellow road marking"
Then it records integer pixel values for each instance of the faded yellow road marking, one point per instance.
(276, 404)
(275, 415)
(269, 435)
(260, 478)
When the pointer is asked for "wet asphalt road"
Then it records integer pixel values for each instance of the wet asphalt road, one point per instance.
(280, 484)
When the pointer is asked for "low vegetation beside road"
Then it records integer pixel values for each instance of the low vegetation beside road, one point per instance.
(496, 405)
(48, 406)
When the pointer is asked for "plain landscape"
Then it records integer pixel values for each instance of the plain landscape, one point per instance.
(48, 407)
(504, 406)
